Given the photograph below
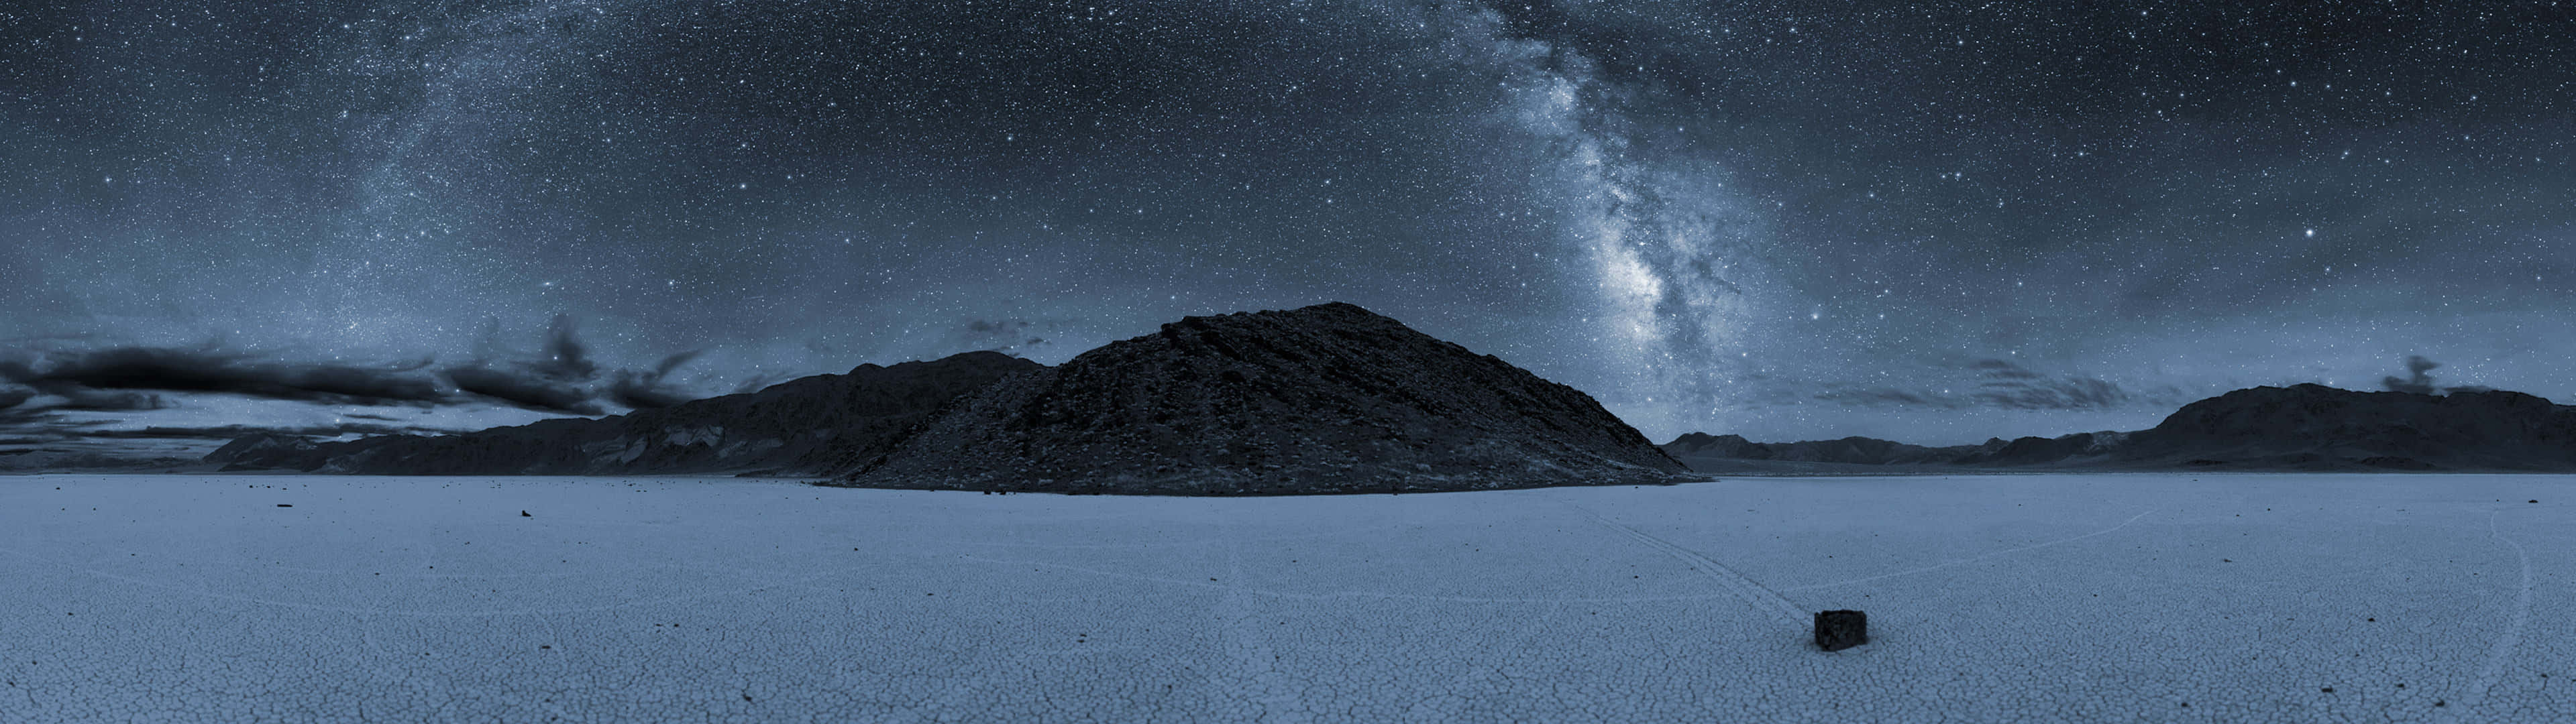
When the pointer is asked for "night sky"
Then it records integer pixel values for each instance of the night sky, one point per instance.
(1930, 223)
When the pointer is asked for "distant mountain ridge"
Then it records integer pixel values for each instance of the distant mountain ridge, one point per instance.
(1335, 399)
(2300, 427)
(1852, 450)
(2312, 424)
(815, 425)
(1329, 398)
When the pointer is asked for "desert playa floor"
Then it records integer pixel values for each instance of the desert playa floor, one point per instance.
(2137, 597)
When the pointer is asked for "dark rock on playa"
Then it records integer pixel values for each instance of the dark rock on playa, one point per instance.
(1838, 630)
(1324, 399)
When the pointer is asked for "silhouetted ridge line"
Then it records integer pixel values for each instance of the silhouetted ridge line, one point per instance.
(1329, 398)
(2300, 427)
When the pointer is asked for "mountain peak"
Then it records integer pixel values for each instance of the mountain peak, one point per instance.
(1325, 398)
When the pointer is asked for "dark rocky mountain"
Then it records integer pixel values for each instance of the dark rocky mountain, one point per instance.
(1324, 399)
(2313, 426)
(817, 425)
(2301, 427)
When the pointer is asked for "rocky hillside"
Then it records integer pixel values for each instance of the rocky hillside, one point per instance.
(817, 425)
(1324, 399)
(2313, 426)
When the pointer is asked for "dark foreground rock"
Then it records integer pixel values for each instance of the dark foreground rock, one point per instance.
(1838, 630)
(1324, 399)
(812, 426)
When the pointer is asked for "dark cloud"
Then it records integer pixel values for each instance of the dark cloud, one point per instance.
(28, 426)
(1885, 397)
(2001, 369)
(23, 426)
(1007, 335)
(46, 426)
(2010, 386)
(82, 375)
(103, 400)
(565, 358)
(550, 382)
(51, 442)
(530, 391)
(561, 377)
(646, 390)
(1995, 383)
(2418, 379)
(228, 432)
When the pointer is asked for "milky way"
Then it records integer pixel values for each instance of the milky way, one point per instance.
(1927, 222)
(1665, 239)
